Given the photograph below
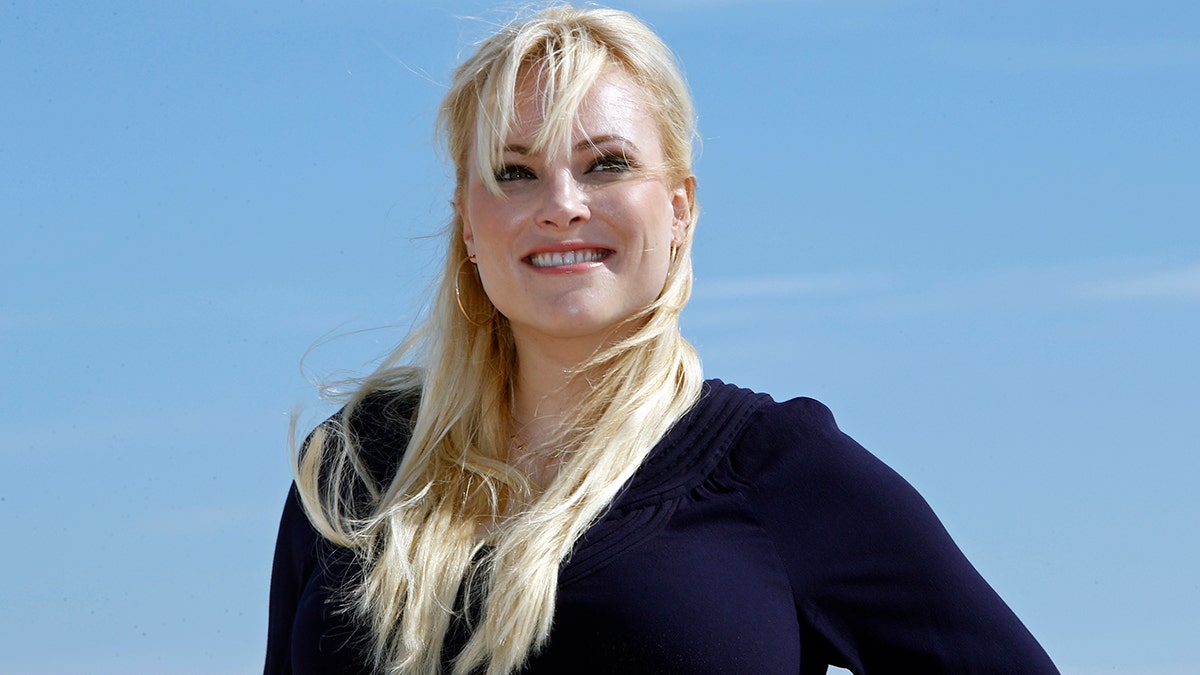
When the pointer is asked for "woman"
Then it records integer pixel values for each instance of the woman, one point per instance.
(555, 488)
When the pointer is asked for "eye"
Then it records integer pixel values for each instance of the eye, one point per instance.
(513, 172)
(614, 163)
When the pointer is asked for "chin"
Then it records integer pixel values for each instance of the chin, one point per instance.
(574, 325)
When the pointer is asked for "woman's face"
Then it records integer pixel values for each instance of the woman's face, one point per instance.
(577, 243)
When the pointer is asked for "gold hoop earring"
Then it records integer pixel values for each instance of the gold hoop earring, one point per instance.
(458, 297)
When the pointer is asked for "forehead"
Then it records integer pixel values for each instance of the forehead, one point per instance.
(616, 105)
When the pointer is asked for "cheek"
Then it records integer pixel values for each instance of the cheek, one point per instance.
(489, 219)
(651, 213)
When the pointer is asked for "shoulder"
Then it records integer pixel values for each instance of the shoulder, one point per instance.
(382, 416)
(772, 448)
(801, 415)
(775, 436)
(808, 481)
(794, 461)
(380, 426)
(799, 420)
(801, 437)
(766, 444)
(374, 427)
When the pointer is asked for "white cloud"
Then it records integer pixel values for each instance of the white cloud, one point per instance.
(1176, 284)
(1015, 288)
(204, 518)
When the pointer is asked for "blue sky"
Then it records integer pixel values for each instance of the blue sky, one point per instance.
(969, 229)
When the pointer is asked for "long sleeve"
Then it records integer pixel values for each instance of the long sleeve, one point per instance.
(309, 633)
(877, 579)
(311, 628)
(295, 557)
(756, 538)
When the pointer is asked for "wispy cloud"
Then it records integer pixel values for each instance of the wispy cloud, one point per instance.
(1174, 284)
(1017, 290)
(1025, 288)
(155, 309)
(195, 519)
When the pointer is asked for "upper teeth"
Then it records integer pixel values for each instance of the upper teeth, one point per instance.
(558, 259)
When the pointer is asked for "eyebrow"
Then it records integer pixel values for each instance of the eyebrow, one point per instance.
(581, 145)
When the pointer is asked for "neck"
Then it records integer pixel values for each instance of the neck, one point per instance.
(546, 389)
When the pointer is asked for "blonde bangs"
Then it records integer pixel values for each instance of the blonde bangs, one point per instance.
(561, 66)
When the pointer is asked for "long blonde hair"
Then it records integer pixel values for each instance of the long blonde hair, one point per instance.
(417, 532)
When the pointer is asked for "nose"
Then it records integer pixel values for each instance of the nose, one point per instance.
(564, 204)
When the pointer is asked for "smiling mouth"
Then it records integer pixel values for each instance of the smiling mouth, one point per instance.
(567, 258)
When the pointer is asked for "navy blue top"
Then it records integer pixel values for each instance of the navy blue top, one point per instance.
(756, 538)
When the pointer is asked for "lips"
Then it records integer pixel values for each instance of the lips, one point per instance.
(567, 258)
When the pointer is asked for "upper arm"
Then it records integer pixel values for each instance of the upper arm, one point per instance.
(873, 570)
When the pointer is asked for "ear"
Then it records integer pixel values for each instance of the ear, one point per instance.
(683, 201)
(468, 233)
